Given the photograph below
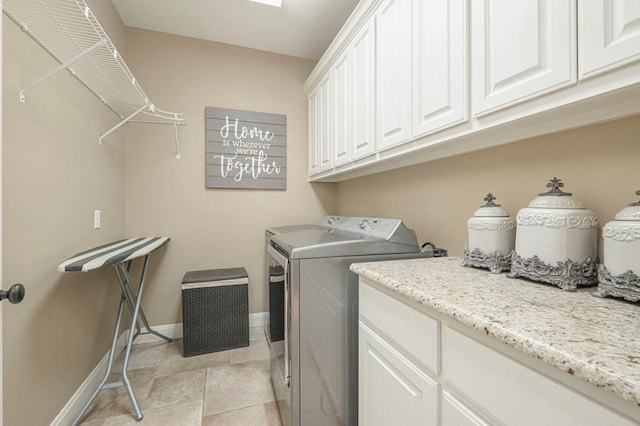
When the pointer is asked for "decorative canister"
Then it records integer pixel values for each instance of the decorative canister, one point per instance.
(619, 276)
(556, 240)
(492, 234)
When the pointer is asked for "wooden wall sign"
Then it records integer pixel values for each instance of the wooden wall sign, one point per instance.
(245, 149)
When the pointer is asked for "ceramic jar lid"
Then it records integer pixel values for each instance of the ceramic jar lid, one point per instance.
(490, 209)
(630, 212)
(555, 198)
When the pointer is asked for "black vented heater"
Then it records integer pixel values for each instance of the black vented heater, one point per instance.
(215, 310)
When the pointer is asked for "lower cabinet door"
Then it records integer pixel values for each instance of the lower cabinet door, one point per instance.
(455, 413)
(513, 393)
(391, 389)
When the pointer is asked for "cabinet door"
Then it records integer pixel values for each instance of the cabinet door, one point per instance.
(363, 86)
(439, 65)
(314, 101)
(393, 73)
(325, 124)
(513, 393)
(391, 389)
(455, 413)
(520, 49)
(609, 34)
(342, 124)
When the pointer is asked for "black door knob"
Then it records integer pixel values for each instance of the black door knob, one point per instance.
(15, 293)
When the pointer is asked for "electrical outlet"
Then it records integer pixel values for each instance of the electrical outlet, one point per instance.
(96, 219)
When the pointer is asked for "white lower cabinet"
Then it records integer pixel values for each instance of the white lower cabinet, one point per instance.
(513, 393)
(392, 390)
(455, 413)
(396, 372)
(421, 369)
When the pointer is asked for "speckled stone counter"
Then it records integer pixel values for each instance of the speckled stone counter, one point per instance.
(595, 339)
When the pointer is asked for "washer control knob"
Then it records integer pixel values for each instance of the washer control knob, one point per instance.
(365, 224)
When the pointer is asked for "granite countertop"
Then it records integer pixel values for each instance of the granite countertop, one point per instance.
(595, 339)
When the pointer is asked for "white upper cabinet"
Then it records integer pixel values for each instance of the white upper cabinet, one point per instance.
(314, 129)
(363, 85)
(393, 73)
(520, 49)
(325, 133)
(440, 81)
(410, 81)
(609, 34)
(342, 123)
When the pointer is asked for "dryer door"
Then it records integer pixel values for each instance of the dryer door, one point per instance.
(279, 329)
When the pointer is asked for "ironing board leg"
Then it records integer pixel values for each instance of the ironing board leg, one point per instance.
(129, 296)
(128, 287)
(134, 298)
(133, 301)
(112, 351)
(134, 322)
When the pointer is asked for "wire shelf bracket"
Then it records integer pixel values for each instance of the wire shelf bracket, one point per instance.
(69, 32)
(55, 71)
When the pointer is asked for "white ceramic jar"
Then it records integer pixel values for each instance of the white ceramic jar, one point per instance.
(619, 276)
(622, 241)
(491, 237)
(556, 240)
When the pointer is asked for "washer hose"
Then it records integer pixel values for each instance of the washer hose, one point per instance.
(437, 251)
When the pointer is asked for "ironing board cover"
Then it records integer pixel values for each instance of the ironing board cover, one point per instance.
(109, 254)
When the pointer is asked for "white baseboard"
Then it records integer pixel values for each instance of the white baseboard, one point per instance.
(86, 389)
(259, 319)
(172, 331)
(82, 395)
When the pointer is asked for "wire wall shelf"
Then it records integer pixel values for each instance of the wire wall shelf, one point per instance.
(69, 32)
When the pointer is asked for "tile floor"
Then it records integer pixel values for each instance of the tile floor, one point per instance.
(222, 388)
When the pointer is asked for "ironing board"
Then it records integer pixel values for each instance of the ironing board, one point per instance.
(120, 255)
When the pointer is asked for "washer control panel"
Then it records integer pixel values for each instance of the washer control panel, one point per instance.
(332, 221)
(369, 226)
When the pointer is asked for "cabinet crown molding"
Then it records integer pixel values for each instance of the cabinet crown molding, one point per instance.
(361, 14)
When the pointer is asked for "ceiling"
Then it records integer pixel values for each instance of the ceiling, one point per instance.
(302, 28)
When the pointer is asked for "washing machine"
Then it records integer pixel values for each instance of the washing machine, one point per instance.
(313, 312)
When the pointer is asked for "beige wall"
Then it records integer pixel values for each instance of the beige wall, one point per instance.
(211, 228)
(54, 175)
(599, 165)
